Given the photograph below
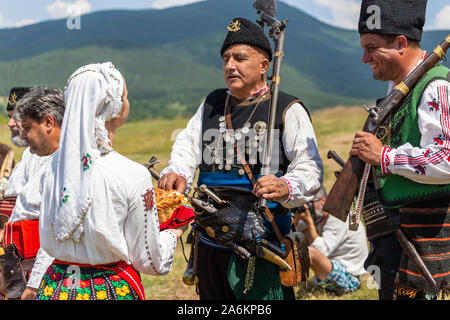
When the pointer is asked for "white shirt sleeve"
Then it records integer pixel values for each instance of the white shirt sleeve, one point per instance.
(186, 153)
(41, 264)
(430, 162)
(304, 174)
(332, 236)
(340, 244)
(18, 176)
(150, 251)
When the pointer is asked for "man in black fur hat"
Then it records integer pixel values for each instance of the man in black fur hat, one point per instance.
(14, 96)
(412, 157)
(207, 143)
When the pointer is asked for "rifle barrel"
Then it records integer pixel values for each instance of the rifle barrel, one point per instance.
(268, 151)
(414, 256)
(333, 155)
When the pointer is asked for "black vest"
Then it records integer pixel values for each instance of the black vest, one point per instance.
(215, 157)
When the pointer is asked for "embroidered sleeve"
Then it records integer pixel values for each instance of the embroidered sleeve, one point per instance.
(289, 187)
(386, 160)
(150, 251)
(305, 172)
(429, 163)
(186, 151)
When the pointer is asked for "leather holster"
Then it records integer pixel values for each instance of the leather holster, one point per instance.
(13, 274)
(297, 258)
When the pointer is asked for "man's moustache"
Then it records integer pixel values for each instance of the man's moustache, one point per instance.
(17, 141)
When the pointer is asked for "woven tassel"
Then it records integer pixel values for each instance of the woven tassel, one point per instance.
(250, 276)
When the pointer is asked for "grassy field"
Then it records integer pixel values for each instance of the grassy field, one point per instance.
(140, 140)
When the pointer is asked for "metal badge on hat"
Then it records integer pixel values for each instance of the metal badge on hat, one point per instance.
(12, 99)
(234, 26)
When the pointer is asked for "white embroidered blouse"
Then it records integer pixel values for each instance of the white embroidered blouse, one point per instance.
(125, 227)
(28, 166)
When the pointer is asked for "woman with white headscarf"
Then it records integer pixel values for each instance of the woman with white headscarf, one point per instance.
(98, 219)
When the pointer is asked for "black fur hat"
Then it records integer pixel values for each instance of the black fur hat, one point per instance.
(406, 17)
(244, 31)
(15, 95)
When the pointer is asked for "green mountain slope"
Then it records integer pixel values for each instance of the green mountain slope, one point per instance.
(171, 59)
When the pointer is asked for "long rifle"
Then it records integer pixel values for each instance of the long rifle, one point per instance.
(267, 10)
(344, 189)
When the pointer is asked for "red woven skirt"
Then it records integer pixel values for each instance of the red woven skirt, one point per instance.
(70, 281)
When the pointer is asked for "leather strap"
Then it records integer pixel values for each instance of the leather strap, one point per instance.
(249, 172)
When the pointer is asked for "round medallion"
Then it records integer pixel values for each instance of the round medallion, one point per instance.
(260, 127)
(241, 172)
(225, 229)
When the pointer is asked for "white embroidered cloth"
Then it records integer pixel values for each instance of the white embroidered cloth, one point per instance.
(93, 96)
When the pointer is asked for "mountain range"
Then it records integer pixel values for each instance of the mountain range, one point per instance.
(171, 61)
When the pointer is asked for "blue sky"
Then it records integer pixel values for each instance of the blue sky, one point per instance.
(342, 13)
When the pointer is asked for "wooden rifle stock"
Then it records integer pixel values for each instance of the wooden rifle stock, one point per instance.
(342, 193)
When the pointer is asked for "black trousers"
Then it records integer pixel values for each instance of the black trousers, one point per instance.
(212, 265)
(385, 253)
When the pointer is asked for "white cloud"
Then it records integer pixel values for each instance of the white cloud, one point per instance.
(5, 23)
(345, 13)
(442, 20)
(162, 4)
(25, 22)
(62, 9)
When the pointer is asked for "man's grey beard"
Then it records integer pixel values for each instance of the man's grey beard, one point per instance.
(17, 141)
